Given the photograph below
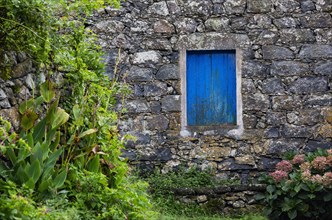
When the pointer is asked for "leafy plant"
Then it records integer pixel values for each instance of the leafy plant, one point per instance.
(79, 139)
(91, 192)
(300, 188)
(162, 185)
(32, 155)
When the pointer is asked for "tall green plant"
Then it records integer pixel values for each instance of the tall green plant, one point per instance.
(33, 154)
(58, 42)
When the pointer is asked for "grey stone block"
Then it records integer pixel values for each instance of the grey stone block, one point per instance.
(307, 5)
(171, 103)
(137, 106)
(169, 71)
(259, 6)
(157, 122)
(155, 89)
(324, 68)
(159, 8)
(235, 6)
(307, 85)
(140, 74)
(272, 52)
(2, 95)
(256, 101)
(289, 68)
(273, 86)
(317, 20)
(255, 69)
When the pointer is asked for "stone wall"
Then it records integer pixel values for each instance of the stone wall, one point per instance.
(286, 66)
(286, 72)
(225, 200)
(17, 82)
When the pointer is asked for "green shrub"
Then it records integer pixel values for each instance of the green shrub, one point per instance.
(32, 155)
(91, 192)
(168, 204)
(300, 188)
(88, 148)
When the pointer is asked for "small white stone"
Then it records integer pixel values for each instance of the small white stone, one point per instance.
(30, 82)
(146, 57)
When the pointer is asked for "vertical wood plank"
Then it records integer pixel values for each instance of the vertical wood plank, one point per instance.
(211, 88)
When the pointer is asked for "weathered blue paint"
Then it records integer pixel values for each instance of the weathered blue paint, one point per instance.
(211, 88)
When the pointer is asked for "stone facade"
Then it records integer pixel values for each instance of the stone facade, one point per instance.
(284, 54)
(286, 68)
(17, 81)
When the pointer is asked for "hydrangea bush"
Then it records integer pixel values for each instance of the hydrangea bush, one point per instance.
(300, 187)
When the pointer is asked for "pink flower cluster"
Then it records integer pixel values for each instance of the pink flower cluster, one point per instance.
(319, 163)
(284, 165)
(283, 168)
(329, 151)
(298, 159)
(316, 171)
(279, 175)
(327, 179)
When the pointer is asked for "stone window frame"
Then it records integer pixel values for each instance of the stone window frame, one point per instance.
(212, 42)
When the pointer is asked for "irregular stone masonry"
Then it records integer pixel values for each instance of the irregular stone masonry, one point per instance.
(286, 78)
(286, 64)
(226, 200)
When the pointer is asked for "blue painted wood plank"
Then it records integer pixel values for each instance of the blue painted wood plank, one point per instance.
(211, 88)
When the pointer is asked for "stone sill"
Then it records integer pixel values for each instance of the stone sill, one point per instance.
(216, 128)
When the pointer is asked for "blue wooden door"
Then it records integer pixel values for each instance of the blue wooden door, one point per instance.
(211, 88)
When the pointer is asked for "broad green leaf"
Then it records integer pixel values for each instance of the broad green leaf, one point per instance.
(327, 197)
(50, 163)
(28, 104)
(60, 179)
(50, 135)
(76, 112)
(23, 153)
(31, 104)
(22, 175)
(79, 161)
(30, 183)
(53, 158)
(56, 142)
(71, 139)
(292, 214)
(37, 153)
(270, 188)
(34, 171)
(39, 101)
(267, 211)
(94, 164)
(39, 131)
(88, 132)
(28, 119)
(260, 196)
(47, 91)
(60, 118)
(44, 184)
(305, 187)
(11, 155)
(3, 170)
(45, 149)
(51, 111)
(311, 196)
(30, 140)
